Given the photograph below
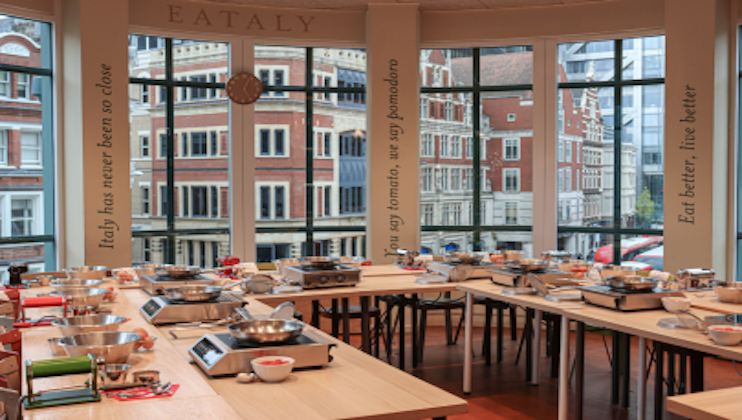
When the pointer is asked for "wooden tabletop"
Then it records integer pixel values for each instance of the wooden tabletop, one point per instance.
(355, 385)
(387, 270)
(368, 286)
(165, 358)
(721, 404)
(639, 323)
(707, 300)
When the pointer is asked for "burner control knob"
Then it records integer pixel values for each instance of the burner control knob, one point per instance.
(323, 279)
(341, 278)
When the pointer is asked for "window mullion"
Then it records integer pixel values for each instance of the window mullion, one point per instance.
(476, 199)
(309, 153)
(170, 124)
(617, 140)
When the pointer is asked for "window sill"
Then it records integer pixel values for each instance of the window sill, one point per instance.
(273, 156)
(28, 166)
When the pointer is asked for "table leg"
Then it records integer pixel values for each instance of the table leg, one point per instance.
(528, 337)
(415, 333)
(335, 319)
(402, 330)
(467, 342)
(346, 320)
(579, 369)
(626, 370)
(365, 325)
(615, 372)
(315, 314)
(564, 370)
(670, 372)
(377, 328)
(555, 343)
(659, 366)
(683, 378)
(536, 347)
(500, 322)
(696, 372)
(641, 397)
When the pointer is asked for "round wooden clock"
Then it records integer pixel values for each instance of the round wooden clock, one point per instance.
(244, 88)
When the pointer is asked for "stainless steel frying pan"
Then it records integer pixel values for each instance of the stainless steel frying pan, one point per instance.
(278, 329)
(197, 292)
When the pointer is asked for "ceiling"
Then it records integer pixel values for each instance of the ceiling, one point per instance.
(426, 5)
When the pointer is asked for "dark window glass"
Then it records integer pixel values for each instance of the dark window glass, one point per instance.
(141, 43)
(265, 142)
(198, 144)
(199, 198)
(202, 253)
(163, 145)
(327, 200)
(184, 141)
(279, 142)
(198, 92)
(265, 199)
(278, 77)
(279, 203)
(214, 144)
(185, 202)
(327, 144)
(214, 202)
(163, 201)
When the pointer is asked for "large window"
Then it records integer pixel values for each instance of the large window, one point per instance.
(479, 104)
(26, 145)
(611, 111)
(310, 152)
(180, 190)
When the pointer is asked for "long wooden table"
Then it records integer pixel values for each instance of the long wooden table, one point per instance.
(720, 404)
(381, 284)
(354, 385)
(642, 324)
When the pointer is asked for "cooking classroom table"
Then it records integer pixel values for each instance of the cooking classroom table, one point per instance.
(642, 324)
(355, 385)
(383, 280)
(720, 404)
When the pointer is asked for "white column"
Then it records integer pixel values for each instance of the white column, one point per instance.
(393, 124)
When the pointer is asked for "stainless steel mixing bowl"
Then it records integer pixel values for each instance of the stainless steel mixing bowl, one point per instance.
(113, 346)
(88, 323)
(73, 283)
(87, 272)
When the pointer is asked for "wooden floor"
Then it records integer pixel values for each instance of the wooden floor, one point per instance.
(500, 391)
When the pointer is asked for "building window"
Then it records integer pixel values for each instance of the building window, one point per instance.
(144, 98)
(455, 146)
(427, 212)
(163, 201)
(214, 202)
(199, 202)
(511, 213)
(427, 179)
(21, 217)
(271, 143)
(470, 148)
(185, 201)
(511, 117)
(455, 179)
(560, 151)
(327, 145)
(568, 179)
(146, 250)
(512, 149)
(449, 111)
(445, 177)
(199, 144)
(423, 108)
(272, 202)
(31, 148)
(145, 200)
(444, 146)
(23, 83)
(198, 92)
(163, 146)
(511, 179)
(143, 146)
(4, 84)
(3, 147)
(214, 143)
(428, 145)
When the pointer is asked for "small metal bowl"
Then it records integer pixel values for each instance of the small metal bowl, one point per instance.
(115, 374)
(87, 272)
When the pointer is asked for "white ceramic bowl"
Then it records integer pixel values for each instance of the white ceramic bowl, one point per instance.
(675, 304)
(272, 373)
(726, 335)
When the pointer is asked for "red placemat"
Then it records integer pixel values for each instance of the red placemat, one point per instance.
(142, 396)
(413, 269)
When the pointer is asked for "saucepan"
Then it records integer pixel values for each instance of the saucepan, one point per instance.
(197, 292)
